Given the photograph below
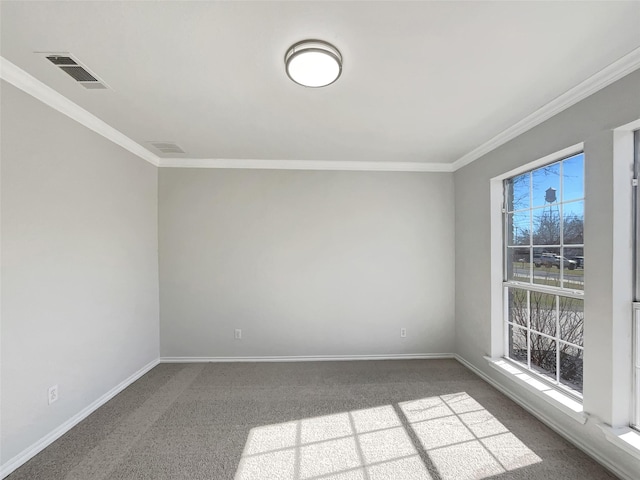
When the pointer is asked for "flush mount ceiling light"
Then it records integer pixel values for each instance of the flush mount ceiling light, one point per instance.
(313, 63)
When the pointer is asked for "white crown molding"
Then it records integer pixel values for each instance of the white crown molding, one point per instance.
(605, 77)
(309, 358)
(34, 87)
(305, 165)
(47, 95)
(33, 450)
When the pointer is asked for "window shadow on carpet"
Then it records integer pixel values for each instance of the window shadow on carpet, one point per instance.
(435, 438)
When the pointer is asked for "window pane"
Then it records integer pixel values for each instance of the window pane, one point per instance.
(571, 359)
(571, 316)
(518, 266)
(543, 313)
(518, 344)
(573, 178)
(518, 192)
(518, 228)
(546, 225)
(546, 185)
(573, 264)
(573, 223)
(543, 355)
(546, 266)
(518, 309)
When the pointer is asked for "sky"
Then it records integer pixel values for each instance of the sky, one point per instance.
(570, 193)
(572, 172)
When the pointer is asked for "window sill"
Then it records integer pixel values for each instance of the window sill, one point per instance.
(625, 438)
(555, 397)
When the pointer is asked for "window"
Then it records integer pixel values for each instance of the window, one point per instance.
(636, 306)
(636, 364)
(543, 274)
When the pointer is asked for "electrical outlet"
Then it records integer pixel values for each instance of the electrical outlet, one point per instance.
(403, 332)
(238, 334)
(53, 394)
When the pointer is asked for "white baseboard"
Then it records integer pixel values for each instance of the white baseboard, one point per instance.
(309, 358)
(542, 416)
(52, 436)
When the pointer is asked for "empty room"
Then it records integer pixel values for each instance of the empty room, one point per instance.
(319, 240)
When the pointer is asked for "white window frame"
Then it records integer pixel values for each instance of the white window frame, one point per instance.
(635, 414)
(635, 422)
(624, 429)
(497, 359)
(529, 287)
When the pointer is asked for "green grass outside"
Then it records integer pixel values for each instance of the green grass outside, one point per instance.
(578, 272)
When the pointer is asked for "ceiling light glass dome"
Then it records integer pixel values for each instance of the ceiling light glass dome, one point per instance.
(313, 63)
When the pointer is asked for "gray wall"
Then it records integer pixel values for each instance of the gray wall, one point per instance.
(590, 121)
(305, 262)
(79, 268)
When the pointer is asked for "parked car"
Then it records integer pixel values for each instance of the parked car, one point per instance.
(579, 261)
(551, 259)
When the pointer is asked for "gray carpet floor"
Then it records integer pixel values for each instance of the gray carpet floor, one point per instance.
(373, 420)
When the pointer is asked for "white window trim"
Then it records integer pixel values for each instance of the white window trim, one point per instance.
(551, 394)
(635, 421)
(622, 414)
(497, 359)
(496, 193)
(635, 329)
(625, 438)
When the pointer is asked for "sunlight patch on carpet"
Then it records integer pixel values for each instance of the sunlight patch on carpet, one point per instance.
(463, 440)
(453, 433)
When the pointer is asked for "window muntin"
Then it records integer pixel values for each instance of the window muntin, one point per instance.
(544, 271)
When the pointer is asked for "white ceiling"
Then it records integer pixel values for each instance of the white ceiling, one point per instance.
(422, 81)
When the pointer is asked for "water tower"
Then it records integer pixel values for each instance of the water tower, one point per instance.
(551, 217)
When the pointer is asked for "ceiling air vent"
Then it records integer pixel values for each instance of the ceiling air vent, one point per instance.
(79, 74)
(76, 70)
(60, 60)
(167, 147)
